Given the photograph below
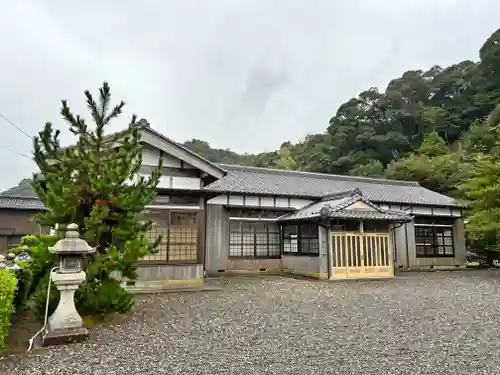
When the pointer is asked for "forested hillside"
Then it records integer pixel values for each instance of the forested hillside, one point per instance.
(382, 133)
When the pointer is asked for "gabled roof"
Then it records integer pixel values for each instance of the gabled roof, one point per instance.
(338, 206)
(21, 203)
(167, 145)
(267, 181)
(158, 140)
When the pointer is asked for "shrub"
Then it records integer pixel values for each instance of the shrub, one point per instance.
(33, 272)
(7, 290)
(42, 260)
(102, 297)
(91, 298)
(39, 299)
(24, 281)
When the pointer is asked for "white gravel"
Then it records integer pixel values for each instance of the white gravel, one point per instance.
(427, 323)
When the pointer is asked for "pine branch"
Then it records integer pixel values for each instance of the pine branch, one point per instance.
(117, 110)
(92, 106)
(105, 97)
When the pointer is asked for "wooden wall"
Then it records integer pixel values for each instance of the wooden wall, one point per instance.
(406, 252)
(217, 238)
(17, 223)
(167, 272)
(301, 265)
(254, 264)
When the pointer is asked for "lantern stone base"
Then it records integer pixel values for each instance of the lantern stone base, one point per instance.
(64, 336)
(65, 324)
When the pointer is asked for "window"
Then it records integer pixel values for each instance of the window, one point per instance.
(434, 241)
(179, 236)
(254, 239)
(301, 239)
(291, 239)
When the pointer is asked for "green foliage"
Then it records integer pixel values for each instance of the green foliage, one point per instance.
(38, 300)
(98, 297)
(95, 185)
(219, 155)
(433, 164)
(373, 168)
(7, 290)
(286, 159)
(482, 188)
(42, 260)
(91, 298)
(24, 282)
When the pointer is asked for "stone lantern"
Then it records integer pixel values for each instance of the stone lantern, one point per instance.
(65, 324)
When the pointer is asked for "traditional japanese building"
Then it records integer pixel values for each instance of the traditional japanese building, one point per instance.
(216, 219)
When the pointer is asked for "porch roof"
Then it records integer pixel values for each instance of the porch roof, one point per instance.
(342, 206)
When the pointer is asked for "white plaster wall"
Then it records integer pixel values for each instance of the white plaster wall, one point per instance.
(253, 201)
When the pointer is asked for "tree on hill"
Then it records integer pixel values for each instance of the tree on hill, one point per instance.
(433, 164)
(95, 185)
(482, 187)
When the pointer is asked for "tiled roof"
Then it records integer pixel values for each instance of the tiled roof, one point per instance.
(253, 180)
(337, 207)
(21, 203)
(265, 181)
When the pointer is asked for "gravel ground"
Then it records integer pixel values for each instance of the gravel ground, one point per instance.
(428, 323)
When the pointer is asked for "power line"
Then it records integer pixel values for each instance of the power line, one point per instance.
(14, 125)
(15, 152)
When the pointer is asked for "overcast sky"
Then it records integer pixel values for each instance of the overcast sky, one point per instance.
(240, 74)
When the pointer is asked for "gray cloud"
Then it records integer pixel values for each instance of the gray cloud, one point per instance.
(240, 74)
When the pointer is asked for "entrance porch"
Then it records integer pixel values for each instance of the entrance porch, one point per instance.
(361, 255)
(354, 237)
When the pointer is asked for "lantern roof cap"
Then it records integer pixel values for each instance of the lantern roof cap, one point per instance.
(72, 243)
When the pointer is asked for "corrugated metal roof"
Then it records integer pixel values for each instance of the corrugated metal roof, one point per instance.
(21, 203)
(253, 180)
(337, 207)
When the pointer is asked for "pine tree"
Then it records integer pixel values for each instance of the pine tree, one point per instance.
(94, 184)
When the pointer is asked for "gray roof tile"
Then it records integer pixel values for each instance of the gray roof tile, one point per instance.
(253, 180)
(21, 203)
(336, 207)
